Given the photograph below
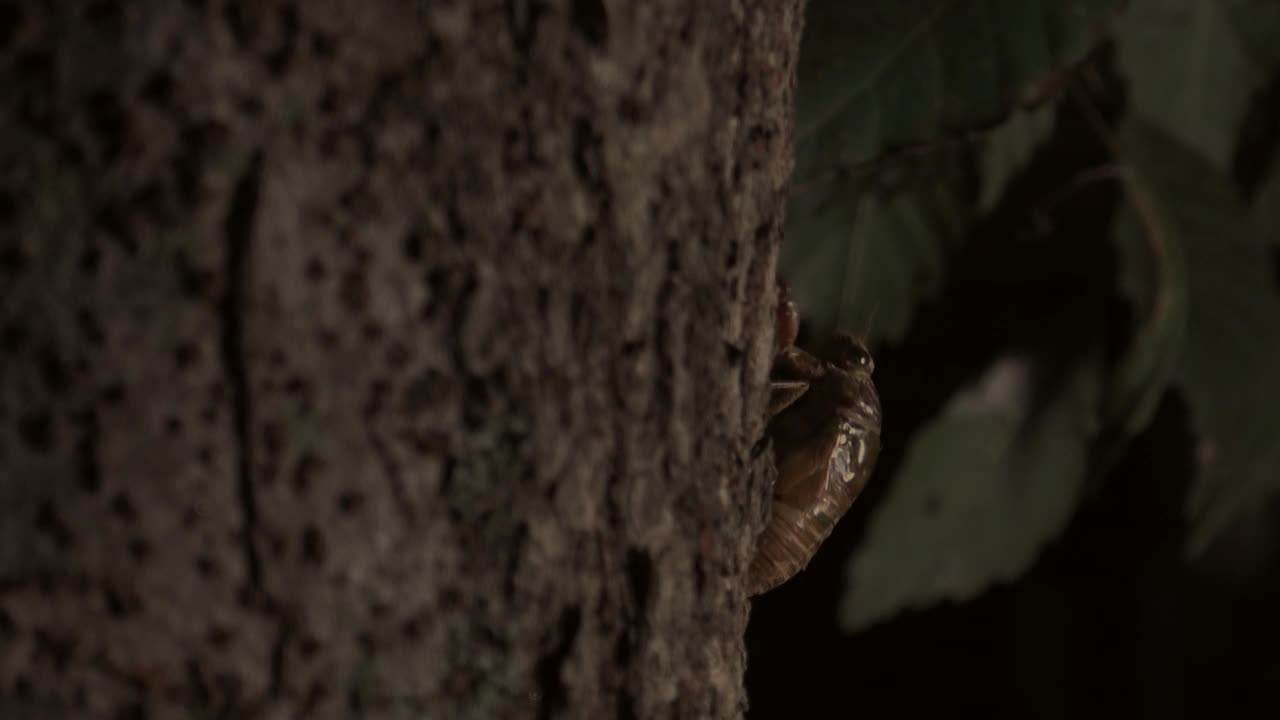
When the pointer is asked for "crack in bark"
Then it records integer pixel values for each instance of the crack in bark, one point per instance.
(553, 697)
(390, 468)
(276, 682)
(238, 231)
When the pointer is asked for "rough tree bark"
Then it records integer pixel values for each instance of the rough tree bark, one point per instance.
(385, 357)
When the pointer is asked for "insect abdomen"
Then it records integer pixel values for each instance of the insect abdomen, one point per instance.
(805, 512)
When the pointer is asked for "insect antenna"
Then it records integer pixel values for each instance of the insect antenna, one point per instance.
(870, 324)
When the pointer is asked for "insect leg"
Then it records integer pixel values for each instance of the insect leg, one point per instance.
(783, 393)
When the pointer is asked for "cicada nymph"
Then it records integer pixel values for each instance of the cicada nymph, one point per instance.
(825, 431)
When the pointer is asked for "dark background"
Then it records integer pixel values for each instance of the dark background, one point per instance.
(1113, 620)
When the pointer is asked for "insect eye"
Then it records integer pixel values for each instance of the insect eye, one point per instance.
(851, 355)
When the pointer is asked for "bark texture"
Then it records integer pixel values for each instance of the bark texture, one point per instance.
(385, 357)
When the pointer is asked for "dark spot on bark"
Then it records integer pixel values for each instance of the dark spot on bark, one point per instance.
(188, 166)
(591, 19)
(515, 556)
(8, 628)
(413, 246)
(733, 354)
(429, 389)
(639, 577)
(113, 394)
(50, 523)
(71, 154)
(629, 111)
(11, 19)
(316, 694)
(195, 282)
(131, 711)
(198, 691)
(157, 89)
(377, 394)
(110, 219)
(12, 259)
(410, 629)
(586, 152)
(241, 29)
(267, 472)
(53, 371)
(314, 269)
(209, 414)
(523, 17)
(297, 387)
(88, 469)
(36, 431)
(372, 332)
(313, 545)
(186, 355)
(8, 208)
(122, 507)
(114, 604)
(328, 142)
(277, 61)
(307, 466)
(278, 545)
(58, 647)
(219, 637)
(89, 327)
(308, 646)
(22, 687)
(350, 502)
(90, 260)
(475, 411)
(627, 705)
(552, 698)
(366, 642)
(205, 456)
(108, 122)
(323, 45)
(173, 426)
(249, 106)
(35, 69)
(272, 437)
(514, 149)
(140, 549)
(105, 15)
(397, 355)
(12, 338)
(205, 566)
(328, 339)
(450, 599)
(427, 443)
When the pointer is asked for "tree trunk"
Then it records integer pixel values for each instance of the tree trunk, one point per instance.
(385, 358)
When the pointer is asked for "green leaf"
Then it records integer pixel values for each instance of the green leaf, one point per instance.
(982, 488)
(878, 74)
(849, 255)
(1008, 149)
(1264, 212)
(1228, 369)
(1193, 65)
(1153, 278)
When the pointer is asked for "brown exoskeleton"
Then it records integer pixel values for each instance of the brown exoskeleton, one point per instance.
(825, 430)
